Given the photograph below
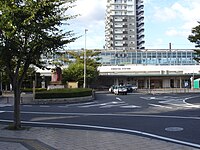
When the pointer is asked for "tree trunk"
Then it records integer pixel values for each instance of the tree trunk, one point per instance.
(17, 117)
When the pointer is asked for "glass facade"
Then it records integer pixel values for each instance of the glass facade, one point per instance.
(149, 57)
(144, 57)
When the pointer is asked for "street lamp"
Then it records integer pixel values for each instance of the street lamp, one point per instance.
(84, 82)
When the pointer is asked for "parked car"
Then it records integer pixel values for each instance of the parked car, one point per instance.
(120, 90)
(131, 88)
(111, 88)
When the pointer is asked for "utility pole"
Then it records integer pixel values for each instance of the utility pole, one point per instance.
(84, 82)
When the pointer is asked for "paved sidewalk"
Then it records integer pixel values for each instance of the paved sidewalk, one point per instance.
(37, 138)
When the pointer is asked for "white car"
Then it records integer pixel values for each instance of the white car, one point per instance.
(120, 90)
(131, 88)
(111, 88)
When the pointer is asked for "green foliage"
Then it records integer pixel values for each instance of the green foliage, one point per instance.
(31, 89)
(75, 71)
(28, 30)
(91, 57)
(195, 36)
(63, 93)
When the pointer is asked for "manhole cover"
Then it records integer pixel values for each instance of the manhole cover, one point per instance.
(173, 129)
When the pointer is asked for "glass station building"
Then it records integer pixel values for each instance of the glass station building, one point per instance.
(148, 69)
(149, 57)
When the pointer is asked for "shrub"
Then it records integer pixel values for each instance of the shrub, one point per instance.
(63, 93)
(31, 90)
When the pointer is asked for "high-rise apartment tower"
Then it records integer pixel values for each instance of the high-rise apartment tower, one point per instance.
(124, 28)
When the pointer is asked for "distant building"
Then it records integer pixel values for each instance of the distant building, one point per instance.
(124, 29)
(148, 57)
(148, 68)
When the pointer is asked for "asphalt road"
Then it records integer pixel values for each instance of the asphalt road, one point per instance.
(173, 117)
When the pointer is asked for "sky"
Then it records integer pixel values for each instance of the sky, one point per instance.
(166, 21)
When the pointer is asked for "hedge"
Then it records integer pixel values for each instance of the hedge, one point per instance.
(63, 93)
(31, 89)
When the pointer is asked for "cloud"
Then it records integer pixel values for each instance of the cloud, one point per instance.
(172, 32)
(179, 17)
(188, 13)
(164, 14)
(92, 17)
(177, 32)
(90, 10)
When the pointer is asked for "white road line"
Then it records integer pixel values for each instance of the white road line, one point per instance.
(81, 104)
(117, 98)
(130, 106)
(109, 106)
(44, 106)
(189, 104)
(27, 105)
(101, 104)
(2, 111)
(155, 105)
(113, 129)
(65, 106)
(5, 105)
(107, 114)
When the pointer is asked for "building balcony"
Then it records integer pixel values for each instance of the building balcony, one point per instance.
(141, 18)
(140, 42)
(140, 30)
(140, 13)
(140, 7)
(140, 37)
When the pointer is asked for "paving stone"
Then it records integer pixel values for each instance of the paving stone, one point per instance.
(68, 139)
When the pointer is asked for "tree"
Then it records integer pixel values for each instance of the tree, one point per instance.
(91, 57)
(195, 38)
(75, 70)
(28, 29)
(74, 73)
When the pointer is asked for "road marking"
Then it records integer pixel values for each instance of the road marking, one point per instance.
(130, 106)
(65, 106)
(5, 105)
(101, 104)
(2, 111)
(27, 105)
(175, 101)
(152, 98)
(107, 114)
(52, 118)
(81, 104)
(109, 106)
(117, 98)
(44, 106)
(155, 105)
(174, 129)
(113, 129)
